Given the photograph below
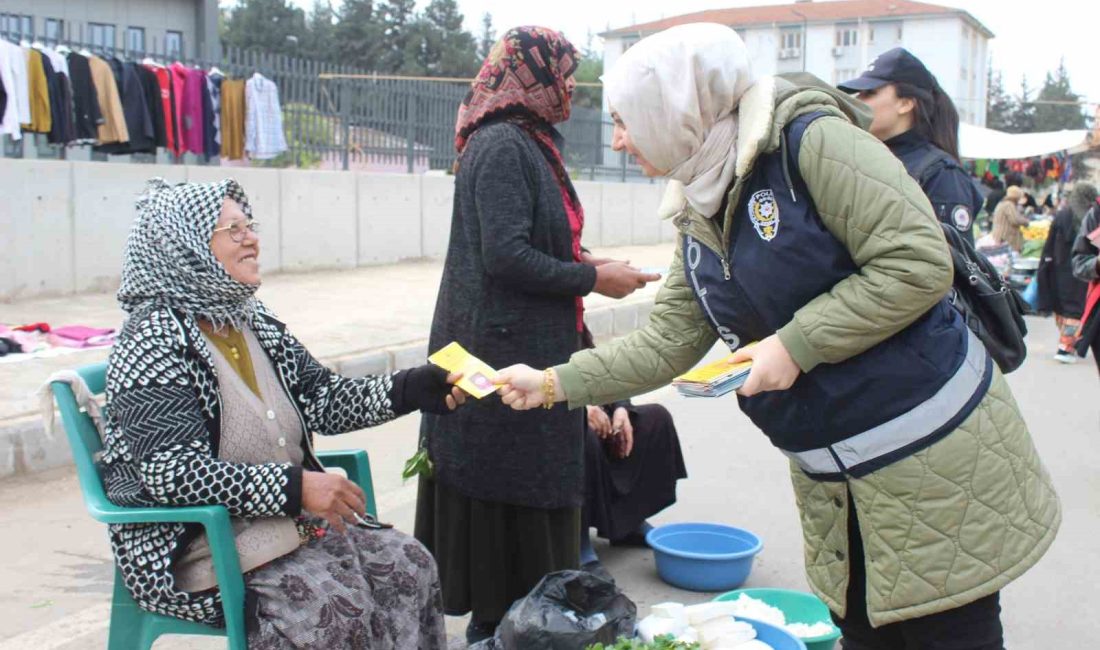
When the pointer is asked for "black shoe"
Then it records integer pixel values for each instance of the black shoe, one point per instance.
(631, 539)
(596, 568)
(476, 632)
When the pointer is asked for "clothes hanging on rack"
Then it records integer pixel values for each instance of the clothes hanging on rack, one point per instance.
(136, 112)
(264, 137)
(209, 142)
(86, 113)
(13, 75)
(232, 119)
(191, 120)
(39, 92)
(113, 128)
(214, 81)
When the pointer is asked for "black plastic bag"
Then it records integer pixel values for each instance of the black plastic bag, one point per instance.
(567, 610)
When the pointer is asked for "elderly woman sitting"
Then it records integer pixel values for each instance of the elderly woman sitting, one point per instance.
(211, 400)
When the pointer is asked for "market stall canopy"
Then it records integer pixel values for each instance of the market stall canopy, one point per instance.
(980, 143)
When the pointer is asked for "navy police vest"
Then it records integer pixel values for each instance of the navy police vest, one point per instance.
(847, 418)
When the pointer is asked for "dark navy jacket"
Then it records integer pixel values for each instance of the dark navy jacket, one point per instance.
(782, 258)
(954, 197)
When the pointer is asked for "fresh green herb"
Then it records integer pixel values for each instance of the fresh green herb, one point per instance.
(418, 465)
(667, 642)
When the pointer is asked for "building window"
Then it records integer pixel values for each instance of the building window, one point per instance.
(847, 36)
(55, 30)
(840, 75)
(173, 43)
(17, 25)
(791, 39)
(135, 40)
(101, 36)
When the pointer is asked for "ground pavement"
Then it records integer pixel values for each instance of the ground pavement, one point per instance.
(57, 567)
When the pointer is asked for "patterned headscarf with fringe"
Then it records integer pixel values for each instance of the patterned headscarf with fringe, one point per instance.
(168, 260)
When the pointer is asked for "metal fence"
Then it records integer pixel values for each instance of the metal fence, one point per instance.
(340, 117)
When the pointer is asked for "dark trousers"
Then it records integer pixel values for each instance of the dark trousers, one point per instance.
(974, 626)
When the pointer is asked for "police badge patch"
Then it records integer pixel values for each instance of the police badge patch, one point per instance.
(764, 212)
(961, 217)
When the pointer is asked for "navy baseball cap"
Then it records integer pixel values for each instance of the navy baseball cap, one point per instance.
(892, 66)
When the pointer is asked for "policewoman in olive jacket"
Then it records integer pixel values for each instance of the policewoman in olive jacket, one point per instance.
(920, 492)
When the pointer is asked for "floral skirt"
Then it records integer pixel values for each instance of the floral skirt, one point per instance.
(376, 589)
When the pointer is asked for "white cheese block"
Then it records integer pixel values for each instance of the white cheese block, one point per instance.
(703, 612)
(724, 632)
(672, 611)
(652, 627)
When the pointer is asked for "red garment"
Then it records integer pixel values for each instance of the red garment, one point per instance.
(188, 84)
(164, 81)
(524, 74)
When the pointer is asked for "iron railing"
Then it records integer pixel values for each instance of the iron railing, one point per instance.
(340, 117)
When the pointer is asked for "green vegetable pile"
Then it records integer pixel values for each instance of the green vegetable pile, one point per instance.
(660, 643)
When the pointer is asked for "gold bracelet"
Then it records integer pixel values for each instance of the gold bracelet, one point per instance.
(548, 388)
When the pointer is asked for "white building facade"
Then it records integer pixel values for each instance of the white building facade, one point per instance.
(836, 41)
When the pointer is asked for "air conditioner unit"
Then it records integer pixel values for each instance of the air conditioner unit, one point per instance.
(795, 52)
(838, 51)
(784, 54)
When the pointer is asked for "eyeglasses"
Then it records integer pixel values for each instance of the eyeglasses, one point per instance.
(237, 229)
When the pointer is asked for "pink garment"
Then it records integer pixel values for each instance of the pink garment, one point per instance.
(79, 336)
(190, 113)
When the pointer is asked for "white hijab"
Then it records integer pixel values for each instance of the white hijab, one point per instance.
(677, 93)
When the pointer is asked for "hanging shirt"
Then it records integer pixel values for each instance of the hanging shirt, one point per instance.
(41, 119)
(13, 74)
(169, 107)
(136, 113)
(263, 129)
(113, 128)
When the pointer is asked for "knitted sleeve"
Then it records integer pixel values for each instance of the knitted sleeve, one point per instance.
(159, 405)
(334, 404)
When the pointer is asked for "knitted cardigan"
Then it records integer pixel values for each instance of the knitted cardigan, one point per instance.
(162, 430)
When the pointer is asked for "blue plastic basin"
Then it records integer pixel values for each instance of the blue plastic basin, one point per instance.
(703, 557)
(776, 637)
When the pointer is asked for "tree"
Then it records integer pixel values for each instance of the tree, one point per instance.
(1066, 113)
(320, 40)
(449, 51)
(488, 37)
(399, 36)
(272, 26)
(589, 71)
(358, 35)
(998, 113)
(1023, 117)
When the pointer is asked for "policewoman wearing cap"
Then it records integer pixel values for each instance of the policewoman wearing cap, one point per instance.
(918, 487)
(916, 119)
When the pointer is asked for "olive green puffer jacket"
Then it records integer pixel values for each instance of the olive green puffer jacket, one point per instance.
(948, 525)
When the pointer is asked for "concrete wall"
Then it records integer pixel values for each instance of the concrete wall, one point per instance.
(64, 224)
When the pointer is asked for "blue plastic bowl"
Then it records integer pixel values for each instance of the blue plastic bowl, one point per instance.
(703, 557)
(776, 637)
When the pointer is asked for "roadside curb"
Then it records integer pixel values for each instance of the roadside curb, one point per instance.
(26, 449)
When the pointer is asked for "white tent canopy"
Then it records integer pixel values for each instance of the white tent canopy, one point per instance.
(978, 142)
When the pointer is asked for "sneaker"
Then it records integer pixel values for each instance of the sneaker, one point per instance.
(1065, 357)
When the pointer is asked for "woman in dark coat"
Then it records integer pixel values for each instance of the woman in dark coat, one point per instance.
(1060, 291)
(502, 507)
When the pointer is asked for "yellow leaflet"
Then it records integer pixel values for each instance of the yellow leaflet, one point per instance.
(477, 376)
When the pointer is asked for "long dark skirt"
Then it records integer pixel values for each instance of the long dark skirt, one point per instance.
(491, 554)
(622, 492)
(364, 589)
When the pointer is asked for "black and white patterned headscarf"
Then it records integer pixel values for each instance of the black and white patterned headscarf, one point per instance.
(168, 258)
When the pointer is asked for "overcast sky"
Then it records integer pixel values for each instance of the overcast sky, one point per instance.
(1029, 38)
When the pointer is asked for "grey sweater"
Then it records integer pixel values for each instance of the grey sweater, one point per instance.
(507, 295)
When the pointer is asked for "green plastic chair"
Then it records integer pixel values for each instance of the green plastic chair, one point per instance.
(133, 628)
